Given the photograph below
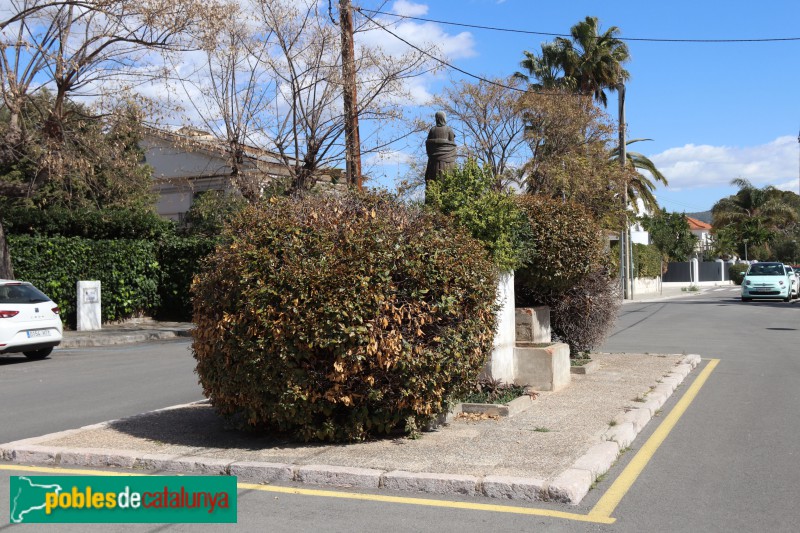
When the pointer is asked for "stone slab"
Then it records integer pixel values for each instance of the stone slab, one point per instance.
(339, 476)
(598, 459)
(514, 488)
(570, 486)
(430, 482)
(258, 472)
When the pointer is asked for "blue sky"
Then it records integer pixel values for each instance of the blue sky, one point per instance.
(715, 111)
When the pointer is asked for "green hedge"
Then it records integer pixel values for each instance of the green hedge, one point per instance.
(127, 269)
(91, 224)
(179, 258)
(646, 260)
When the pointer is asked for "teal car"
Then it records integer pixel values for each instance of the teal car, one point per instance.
(767, 281)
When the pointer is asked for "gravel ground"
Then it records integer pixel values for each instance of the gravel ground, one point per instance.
(540, 442)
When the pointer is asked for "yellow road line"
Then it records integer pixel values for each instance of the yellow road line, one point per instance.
(600, 514)
(346, 495)
(610, 500)
(433, 503)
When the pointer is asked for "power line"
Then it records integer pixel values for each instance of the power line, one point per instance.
(453, 67)
(547, 34)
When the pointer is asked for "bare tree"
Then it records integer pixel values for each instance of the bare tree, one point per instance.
(487, 115)
(278, 86)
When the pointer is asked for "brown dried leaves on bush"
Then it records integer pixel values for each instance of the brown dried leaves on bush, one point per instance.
(338, 318)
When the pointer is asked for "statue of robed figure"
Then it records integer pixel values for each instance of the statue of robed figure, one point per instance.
(441, 148)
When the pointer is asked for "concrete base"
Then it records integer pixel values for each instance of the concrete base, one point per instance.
(533, 324)
(543, 368)
(588, 368)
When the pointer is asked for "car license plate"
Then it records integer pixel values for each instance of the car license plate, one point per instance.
(38, 333)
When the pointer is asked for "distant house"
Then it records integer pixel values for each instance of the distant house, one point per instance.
(188, 162)
(702, 231)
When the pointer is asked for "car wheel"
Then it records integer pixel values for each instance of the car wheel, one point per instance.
(38, 354)
(746, 299)
(788, 298)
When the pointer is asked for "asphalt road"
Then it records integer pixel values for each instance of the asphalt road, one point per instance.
(77, 387)
(729, 464)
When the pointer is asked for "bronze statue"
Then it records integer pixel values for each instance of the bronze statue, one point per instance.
(441, 148)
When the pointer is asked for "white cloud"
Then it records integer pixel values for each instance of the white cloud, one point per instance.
(409, 9)
(389, 157)
(696, 166)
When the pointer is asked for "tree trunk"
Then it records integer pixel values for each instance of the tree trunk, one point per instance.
(6, 272)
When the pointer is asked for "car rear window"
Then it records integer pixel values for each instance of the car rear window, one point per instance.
(22, 293)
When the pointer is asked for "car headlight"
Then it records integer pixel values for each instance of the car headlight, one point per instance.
(747, 282)
(780, 283)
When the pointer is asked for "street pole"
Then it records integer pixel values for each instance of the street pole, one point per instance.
(745, 250)
(351, 136)
(625, 235)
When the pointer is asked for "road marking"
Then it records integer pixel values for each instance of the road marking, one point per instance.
(600, 513)
(434, 503)
(611, 498)
(348, 495)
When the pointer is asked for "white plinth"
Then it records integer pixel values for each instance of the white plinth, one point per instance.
(501, 363)
(89, 311)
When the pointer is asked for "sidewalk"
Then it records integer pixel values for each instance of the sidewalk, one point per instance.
(126, 333)
(552, 451)
(669, 293)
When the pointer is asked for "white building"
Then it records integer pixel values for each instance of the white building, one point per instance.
(188, 162)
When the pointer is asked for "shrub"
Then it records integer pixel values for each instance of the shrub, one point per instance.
(583, 315)
(210, 211)
(647, 261)
(90, 224)
(493, 217)
(736, 272)
(341, 318)
(179, 258)
(127, 269)
(568, 246)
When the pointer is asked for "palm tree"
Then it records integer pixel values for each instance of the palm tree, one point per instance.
(593, 59)
(588, 63)
(753, 213)
(640, 186)
(752, 204)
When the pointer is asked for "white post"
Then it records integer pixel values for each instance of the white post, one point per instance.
(501, 363)
(89, 311)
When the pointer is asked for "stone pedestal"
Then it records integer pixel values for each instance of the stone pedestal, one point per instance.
(89, 312)
(542, 367)
(533, 324)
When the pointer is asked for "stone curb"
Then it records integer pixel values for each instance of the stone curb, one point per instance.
(574, 483)
(570, 486)
(93, 341)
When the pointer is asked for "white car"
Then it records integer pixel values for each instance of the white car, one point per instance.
(793, 279)
(29, 321)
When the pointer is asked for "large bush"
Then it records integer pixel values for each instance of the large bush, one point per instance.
(340, 318)
(468, 194)
(568, 246)
(583, 315)
(127, 269)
